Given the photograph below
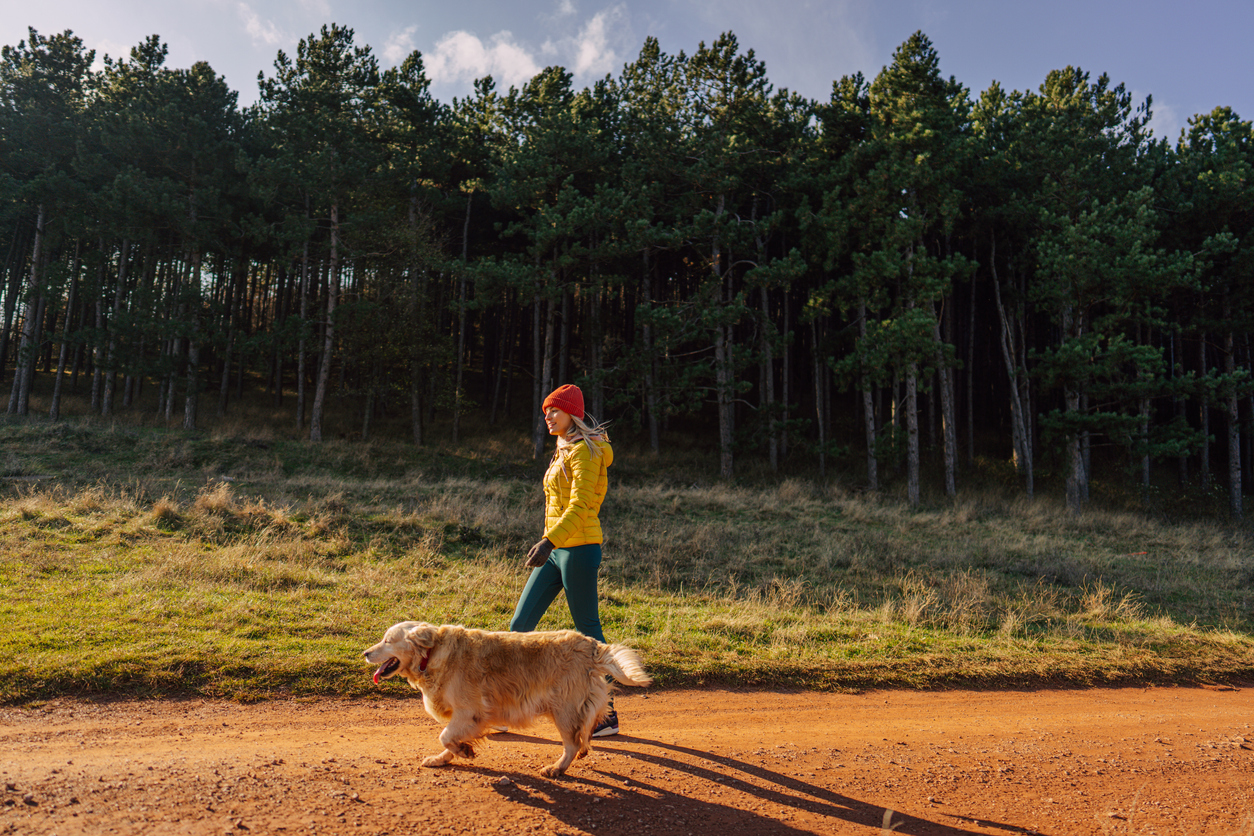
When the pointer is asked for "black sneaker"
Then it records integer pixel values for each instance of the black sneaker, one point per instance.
(607, 726)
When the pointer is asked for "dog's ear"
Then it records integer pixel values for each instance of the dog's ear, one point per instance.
(422, 636)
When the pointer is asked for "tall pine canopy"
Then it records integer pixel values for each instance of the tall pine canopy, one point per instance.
(910, 283)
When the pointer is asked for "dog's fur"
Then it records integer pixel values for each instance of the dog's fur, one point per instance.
(473, 680)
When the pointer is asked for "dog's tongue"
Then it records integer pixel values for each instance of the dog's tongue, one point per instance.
(386, 669)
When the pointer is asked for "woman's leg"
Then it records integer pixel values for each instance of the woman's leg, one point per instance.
(579, 567)
(579, 575)
(542, 587)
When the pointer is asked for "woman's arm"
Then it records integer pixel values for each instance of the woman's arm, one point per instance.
(578, 512)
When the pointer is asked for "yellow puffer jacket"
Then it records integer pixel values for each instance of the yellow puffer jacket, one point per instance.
(572, 502)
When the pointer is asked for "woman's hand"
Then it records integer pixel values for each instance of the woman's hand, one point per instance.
(539, 553)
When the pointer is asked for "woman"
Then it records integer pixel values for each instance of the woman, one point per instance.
(569, 555)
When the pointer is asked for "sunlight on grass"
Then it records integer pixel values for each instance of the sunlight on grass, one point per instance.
(257, 566)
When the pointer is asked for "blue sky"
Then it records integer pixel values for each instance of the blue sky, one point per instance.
(1189, 56)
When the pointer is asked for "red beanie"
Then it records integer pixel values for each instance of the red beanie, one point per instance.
(567, 398)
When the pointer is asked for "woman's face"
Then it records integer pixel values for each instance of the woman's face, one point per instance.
(558, 421)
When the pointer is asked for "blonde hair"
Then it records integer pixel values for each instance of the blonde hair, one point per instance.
(589, 432)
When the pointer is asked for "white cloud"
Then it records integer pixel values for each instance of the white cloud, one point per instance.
(320, 9)
(1165, 122)
(592, 51)
(261, 31)
(460, 57)
(113, 49)
(399, 45)
(565, 8)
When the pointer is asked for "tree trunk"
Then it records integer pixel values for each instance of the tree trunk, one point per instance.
(545, 378)
(1018, 419)
(912, 434)
(1234, 419)
(594, 343)
(328, 340)
(723, 384)
(646, 340)
(111, 355)
(1203, 416)
(177, 310)
(1247, 457)
(503, 345)
(785, 380)
(191, 400)
(868, 408)
(820, 420)
(768, 382)
(418, 280)
(19, 398)
(461, 352)
(537, 382)
(13, 270)
(301, 348)
(970, 379)
(1073, 327)
(1076, 476)
(949, 438)
(368, 413)
(1027, 395)
(98, 349)
(48, 326)
(1178, 400)
(138, 304)
(1144, 407)
(54, 411)
(723, 357)
(234, 294)
(461, 319)
(563, 340)
(282, 313)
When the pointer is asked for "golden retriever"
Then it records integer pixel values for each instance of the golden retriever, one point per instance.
(473, 680)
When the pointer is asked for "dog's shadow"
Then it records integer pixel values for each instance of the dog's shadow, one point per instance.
(628, 795)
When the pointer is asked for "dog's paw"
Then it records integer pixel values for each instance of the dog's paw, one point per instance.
(435, 760)
(462, 750)
(553, 771)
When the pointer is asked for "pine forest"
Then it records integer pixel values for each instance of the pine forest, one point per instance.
(901, 281)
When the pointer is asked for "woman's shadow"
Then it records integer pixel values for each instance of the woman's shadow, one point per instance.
(624, 800)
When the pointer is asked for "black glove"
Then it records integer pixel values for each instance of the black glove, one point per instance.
(539, 553)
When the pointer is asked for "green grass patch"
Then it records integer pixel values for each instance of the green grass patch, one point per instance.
(148, 562)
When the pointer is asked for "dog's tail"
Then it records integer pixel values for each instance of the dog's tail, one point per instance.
(624, 665)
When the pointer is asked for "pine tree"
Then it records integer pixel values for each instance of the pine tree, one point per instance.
(43, 90)
(894, 207)
(1213, 181)
(322, 106)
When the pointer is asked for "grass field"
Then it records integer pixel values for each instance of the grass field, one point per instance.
(241, 564)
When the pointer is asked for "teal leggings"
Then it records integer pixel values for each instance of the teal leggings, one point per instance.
(573, 569)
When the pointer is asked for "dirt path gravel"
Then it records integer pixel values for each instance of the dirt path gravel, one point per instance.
(1176, 761)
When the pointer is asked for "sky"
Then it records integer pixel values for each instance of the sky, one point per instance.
(1187, 56)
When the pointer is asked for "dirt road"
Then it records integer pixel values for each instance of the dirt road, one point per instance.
(1176, 761)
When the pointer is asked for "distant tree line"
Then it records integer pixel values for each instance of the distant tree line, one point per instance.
(902, 267)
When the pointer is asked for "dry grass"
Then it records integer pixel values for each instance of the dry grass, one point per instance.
(257, 565)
